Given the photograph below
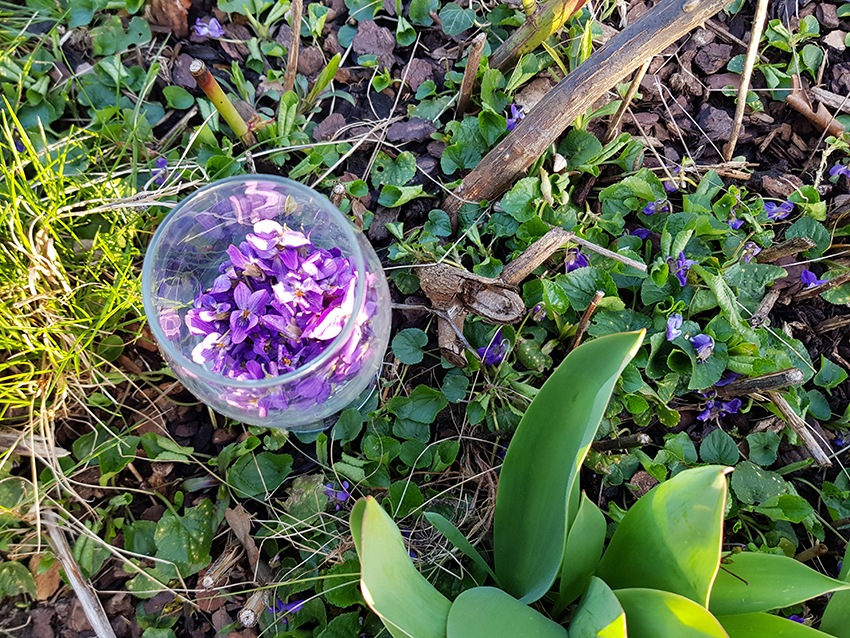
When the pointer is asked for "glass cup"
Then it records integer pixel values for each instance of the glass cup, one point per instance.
(266, 302)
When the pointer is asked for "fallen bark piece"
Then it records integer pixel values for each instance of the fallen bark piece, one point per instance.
(767, 382)
(801, 429)
(654, 31)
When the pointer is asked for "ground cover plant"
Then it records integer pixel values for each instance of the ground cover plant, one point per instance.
(184, 523)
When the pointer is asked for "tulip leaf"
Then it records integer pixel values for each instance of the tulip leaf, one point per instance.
(542, 462)
(584, 549)
(487, 612)
(406, 603)
(651, 613)
(751, 582)
(766, 626)
(837, 610)
(599, 615)
(670, 539)
(456, 538)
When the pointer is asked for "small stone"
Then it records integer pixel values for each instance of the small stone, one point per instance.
(827, 15)
(835, 40)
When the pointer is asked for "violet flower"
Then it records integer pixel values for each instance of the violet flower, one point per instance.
(251, 307)
(337, 497)
(796, 618)
(751, 249)
(670, 185)
(715, 409)
(840, 169)
(810, 279)
(735, 223)
(777, 212)
(643, 233)
(211, 30)
(575, 260)
(674, 322)
(659, 206)
(680, 268)
(280, 607)
(160, 175)
(538, 313)
(728, 378)
(704, 345)
(494, 353)
(516, 116)
(839, 441)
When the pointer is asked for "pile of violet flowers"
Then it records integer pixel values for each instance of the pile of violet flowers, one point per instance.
(277, 304)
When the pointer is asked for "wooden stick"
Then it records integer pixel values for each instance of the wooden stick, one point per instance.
(622, 442)
(250, 613)
(832, 324)
(789, 247)
(767, 382)
(759, 317)
(654, 31)
(609, 253)
(813, 552)
(521, 267)
(297, 9)
(832, 100)
(801, 428)
(585, 319)
(752, 52)
(836, 281)
(473, 63)
(617, 120)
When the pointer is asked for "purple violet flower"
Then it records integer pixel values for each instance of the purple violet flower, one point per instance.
(211, 30)
(539, 312)
(680, 268)
(280, 607)
(839, 441)
(575, 260)
(796, 618)
(715, 409)
(777, 212)
(751, 249)
(674, 322)
(704, 345)
(160, 175)
(840, 169)
(337, 497)
(494, 353)
(670, 185)
(735, 223)
(251, 306)
(516, 116)
(643, 233)
(659, 206)
(728, 378)
(811, 279)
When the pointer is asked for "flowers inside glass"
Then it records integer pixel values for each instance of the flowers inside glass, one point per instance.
(267, 303)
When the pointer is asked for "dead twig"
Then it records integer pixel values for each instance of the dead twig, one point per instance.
(772, 381)
(622, 442)
(801, 429)
(297, 9)
(473, 62)
(752, 52)
(585, 319)
(832, 324)
(759, 317)
(615, 123)
(783, 249)
(813, 552)
(836, 281)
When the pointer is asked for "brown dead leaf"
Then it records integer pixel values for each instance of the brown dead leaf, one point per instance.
(413, 130)
(169, 14)
(47, 582)
(240, 522)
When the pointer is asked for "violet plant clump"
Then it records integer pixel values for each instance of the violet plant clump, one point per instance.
(277, 303)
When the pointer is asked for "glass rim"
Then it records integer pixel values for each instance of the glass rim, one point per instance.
(332, 348)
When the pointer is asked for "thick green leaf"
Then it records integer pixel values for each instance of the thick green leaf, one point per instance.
(766, 626)
(651, 613)
(584, 549)
(259, 474)
(837, 612)
(186, 539)
(487, 612)
(530, 528)
(454, 536)
(599, 614)
(751, 582)
(670, 539)
(406, 603)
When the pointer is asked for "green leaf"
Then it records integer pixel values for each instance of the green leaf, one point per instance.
(176, 97)
(407, 604)
(750, 582)
(492, 95)
(758, 625)
(581, 285)
(785, 507)
(348, 426)
(808, 227)
(422, 406)
(393, 172)
(837, 610)
(719, 448)
(579, 147)
(408, 344)
(487, 612)
(186, 539)
(651, 613)
(753, 484)
(456, 538)
(670, 539)
(520, 201)
(460, 156)
(395, 196)
(454, 386)
(763, 447)
(405, 498)
(456, 20)
(262, 473)
(829, 375)
(15, 579)
(492, 126)
(343, 592)
(420, 11)
(324, 78)
(542, 462)
(583, 551)
(439, 224)
(599, 615)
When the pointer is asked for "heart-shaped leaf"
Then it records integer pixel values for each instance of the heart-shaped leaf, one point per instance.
(530, 528)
